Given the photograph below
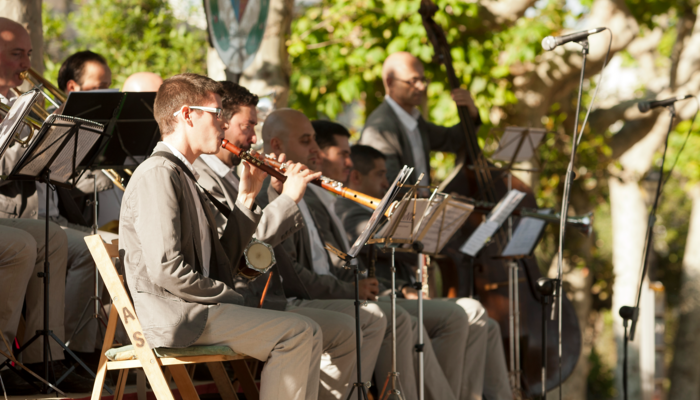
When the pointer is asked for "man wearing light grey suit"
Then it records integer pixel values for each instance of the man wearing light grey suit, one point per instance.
(279, 220)
(180, 276)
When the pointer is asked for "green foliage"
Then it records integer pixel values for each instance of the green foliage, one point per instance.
(337, 49)
(133, 35)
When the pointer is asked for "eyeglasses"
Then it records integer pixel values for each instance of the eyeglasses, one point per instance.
(216, 111)
(413, 82)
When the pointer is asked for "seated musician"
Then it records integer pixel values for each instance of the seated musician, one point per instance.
(142, 82)
(80, 72)
(18, 218)
(485, 368)
(180, 274)
(314, 276)
(280, 219)
(396, 127)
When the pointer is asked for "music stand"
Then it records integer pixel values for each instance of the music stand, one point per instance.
(351, 263)
(52, 158)
(127, 116)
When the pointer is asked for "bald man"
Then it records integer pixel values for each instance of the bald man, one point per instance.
(396, 127)
(142, 82)
(316, 275)
(18, 221)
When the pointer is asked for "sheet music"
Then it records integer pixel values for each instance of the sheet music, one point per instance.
(525, 237)
(496, 218)
(50, 139)
(510, 140)
(448, 220)
(403, 229)
(14, 118)
(379, 212)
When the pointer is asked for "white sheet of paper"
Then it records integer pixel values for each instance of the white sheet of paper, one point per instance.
(446, 225)
(480, 236)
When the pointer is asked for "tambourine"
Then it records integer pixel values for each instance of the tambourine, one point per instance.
(258, 258)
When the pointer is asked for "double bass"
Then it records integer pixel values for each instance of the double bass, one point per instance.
(474, 177)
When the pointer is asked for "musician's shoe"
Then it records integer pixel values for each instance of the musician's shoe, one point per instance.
(73, 383)
(15, 385)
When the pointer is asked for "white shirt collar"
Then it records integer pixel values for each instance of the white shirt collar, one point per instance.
(218, 166)
(182, 158)
(409, 121)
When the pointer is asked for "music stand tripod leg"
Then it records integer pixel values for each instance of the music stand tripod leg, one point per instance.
(393, 379)
(359, 385)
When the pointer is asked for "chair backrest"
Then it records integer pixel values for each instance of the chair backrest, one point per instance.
(102, 253)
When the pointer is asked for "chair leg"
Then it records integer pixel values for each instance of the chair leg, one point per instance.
(183, 382)
(102, 366)
(121, 384)
(141, 385)
(246, 379)
(190, 370)
(223, 383)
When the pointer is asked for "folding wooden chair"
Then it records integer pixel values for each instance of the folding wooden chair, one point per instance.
(141, 355)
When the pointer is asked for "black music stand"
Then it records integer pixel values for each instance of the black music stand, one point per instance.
(351, 263)
(52, 158)
(130, 137)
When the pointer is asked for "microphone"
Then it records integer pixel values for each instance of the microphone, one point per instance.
(645, 106)
(551, 42)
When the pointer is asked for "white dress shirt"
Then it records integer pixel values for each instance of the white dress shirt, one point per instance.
(221, 169)
(204, 233)
(410, 123)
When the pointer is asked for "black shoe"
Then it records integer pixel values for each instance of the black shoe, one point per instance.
(15, 385)
(73, 383)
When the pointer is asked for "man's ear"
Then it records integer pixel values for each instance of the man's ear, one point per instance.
(354, 178)
(276, 145)
(72, 86)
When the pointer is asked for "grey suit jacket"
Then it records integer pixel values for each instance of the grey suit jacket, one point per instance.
(161, 251)
(280, 219)
(301, 280)
(384, 132)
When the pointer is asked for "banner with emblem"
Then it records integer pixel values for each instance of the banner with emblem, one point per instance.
(236, 28)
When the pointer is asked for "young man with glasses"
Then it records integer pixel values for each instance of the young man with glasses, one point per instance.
(396, 127)
(282, 218)
(180, 274)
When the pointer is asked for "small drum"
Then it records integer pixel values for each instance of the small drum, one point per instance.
(258, 258)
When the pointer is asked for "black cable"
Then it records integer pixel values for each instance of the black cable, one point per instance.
(687, 136)
(595, 93)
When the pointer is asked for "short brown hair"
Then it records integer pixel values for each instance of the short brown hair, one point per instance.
(180, 90)
(233, 96)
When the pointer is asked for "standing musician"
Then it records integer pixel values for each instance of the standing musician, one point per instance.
(396, 127)
(280, 219)
(18, 216)
(180, 275)
(315, 277)
(485, 364)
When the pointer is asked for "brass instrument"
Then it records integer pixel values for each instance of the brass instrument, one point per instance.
(32, 123)
(115, 178)
(36, 79)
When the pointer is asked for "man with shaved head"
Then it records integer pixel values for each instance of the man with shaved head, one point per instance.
(142, 82)
(317, 279)
(20, 264)
(396, 127)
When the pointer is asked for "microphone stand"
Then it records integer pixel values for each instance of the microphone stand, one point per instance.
(565, 209)
(632, 313)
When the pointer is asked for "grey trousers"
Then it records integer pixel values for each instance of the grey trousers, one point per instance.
(80, 286)
(337, 321)
(290, 344)
(485, 361)
(18, 283)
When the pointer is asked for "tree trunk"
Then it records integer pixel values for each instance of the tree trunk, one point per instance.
(685, 369)
(28, 13)
(270, 71)
(628, 207)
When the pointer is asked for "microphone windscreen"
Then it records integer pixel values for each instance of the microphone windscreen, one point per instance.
(549, 43)
(644, 106)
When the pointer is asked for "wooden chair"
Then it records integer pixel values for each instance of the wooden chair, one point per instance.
(141, 355)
